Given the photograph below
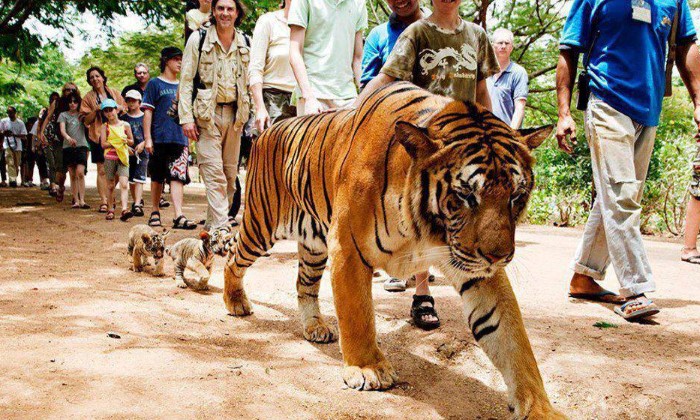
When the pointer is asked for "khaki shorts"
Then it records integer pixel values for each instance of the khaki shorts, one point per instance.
(114, 168)
(694, 187)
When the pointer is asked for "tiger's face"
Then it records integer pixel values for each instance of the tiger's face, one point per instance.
(220, 241)
(155, 244)
(469, 184)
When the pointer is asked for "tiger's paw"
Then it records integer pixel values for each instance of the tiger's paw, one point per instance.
(538, 410)
(237, 303)
(371, 377)
(180, 283)
(317, 330)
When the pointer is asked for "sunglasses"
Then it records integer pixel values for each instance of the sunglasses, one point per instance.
(106, 110)
(73, 101)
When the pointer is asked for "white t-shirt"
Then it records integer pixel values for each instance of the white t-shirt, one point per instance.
(16, 127)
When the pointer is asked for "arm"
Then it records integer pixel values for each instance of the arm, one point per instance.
(688, 62)
(518, 114)
(45, 122)
(258, 54)
(64, 133)
(357, 58)
(566, 73)
(482, 94)
(382, 79)
(190, 61)
(129, 134)
(296, 60)
(103, 137)
(147, 119)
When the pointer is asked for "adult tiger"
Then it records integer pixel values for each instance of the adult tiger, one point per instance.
(408, 180)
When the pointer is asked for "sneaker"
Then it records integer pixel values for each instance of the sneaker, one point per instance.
(13, 184)
(45, 185)
(3, 184)
(393, 284)
(25, 184)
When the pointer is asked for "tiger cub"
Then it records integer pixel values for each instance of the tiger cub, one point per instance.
(194, 257)
(145, 242)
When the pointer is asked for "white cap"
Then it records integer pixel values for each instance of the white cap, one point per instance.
(133, 94)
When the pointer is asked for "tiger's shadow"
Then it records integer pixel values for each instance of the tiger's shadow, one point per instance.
(420, 378)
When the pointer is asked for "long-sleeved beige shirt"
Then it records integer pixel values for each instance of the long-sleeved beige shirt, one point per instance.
(223, 73)
(269, 53)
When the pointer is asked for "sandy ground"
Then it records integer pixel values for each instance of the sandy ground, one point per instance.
(65, 285)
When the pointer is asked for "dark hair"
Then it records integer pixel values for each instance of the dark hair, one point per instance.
(99, 70)
(52, 95)
(240, 8)
(11, 108)
(74, 95)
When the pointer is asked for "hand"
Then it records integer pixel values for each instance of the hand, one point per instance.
(72, 142)
(262, 119)
(191, 131)
(566, 133)
(139, 147)
(149, 145)
(312, 106)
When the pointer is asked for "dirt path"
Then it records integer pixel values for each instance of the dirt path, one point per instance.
(65, 284)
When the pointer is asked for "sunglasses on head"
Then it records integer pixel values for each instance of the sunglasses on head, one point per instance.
(69, 89)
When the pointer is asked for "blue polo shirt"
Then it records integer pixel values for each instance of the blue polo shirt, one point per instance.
(628, 60)
(378, 46)
(510, 85)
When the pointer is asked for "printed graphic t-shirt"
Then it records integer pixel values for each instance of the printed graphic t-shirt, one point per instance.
(444, 62)
(159, 96)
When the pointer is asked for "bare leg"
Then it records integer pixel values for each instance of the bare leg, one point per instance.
(80, 176)
(102, 183)
(124, 190)
(494, 318)
(156, 191)
(74, 185)
(692, 227)
(177, 191)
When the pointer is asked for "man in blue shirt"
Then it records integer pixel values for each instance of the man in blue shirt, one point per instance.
(382, 38)
(627, 44)
(508, 89)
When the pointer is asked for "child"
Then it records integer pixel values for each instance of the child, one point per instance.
(75, 149)
(115, 138)
(138, 162)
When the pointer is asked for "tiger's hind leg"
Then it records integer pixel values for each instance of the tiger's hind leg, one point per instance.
(312, 263)
(245, 253)
(494, 318)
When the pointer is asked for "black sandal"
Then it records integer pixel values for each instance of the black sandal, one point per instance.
(184, 223)
(154, 220)
(419, 310)
(163, 203)
(137, 210)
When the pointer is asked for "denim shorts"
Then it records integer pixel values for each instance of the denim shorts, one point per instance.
(138, 168)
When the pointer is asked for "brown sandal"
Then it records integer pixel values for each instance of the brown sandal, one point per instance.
(110, 215)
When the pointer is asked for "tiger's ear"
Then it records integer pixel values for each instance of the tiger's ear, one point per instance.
(146, 238)
(533, 137)
(165, 233)
(204, 235)
(415, 140)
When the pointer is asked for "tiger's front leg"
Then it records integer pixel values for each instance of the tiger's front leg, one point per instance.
(196, 274)
(494, 318)
(366, 368)
(159, 263)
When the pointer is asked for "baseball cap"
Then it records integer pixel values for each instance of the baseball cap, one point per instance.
(108, 103)
(170, 52)
(133, 94)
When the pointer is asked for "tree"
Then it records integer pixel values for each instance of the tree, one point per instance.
(17, 42)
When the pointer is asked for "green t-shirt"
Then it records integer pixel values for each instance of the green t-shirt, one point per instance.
(445, 62)
(329, 43)
(74, 128)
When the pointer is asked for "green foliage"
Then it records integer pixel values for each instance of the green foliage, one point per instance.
(18, 43)
(27, 86)
(119, 58)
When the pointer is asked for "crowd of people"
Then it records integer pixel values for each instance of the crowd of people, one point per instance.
(311, 56)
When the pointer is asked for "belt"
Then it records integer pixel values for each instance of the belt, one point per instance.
(232, 103)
